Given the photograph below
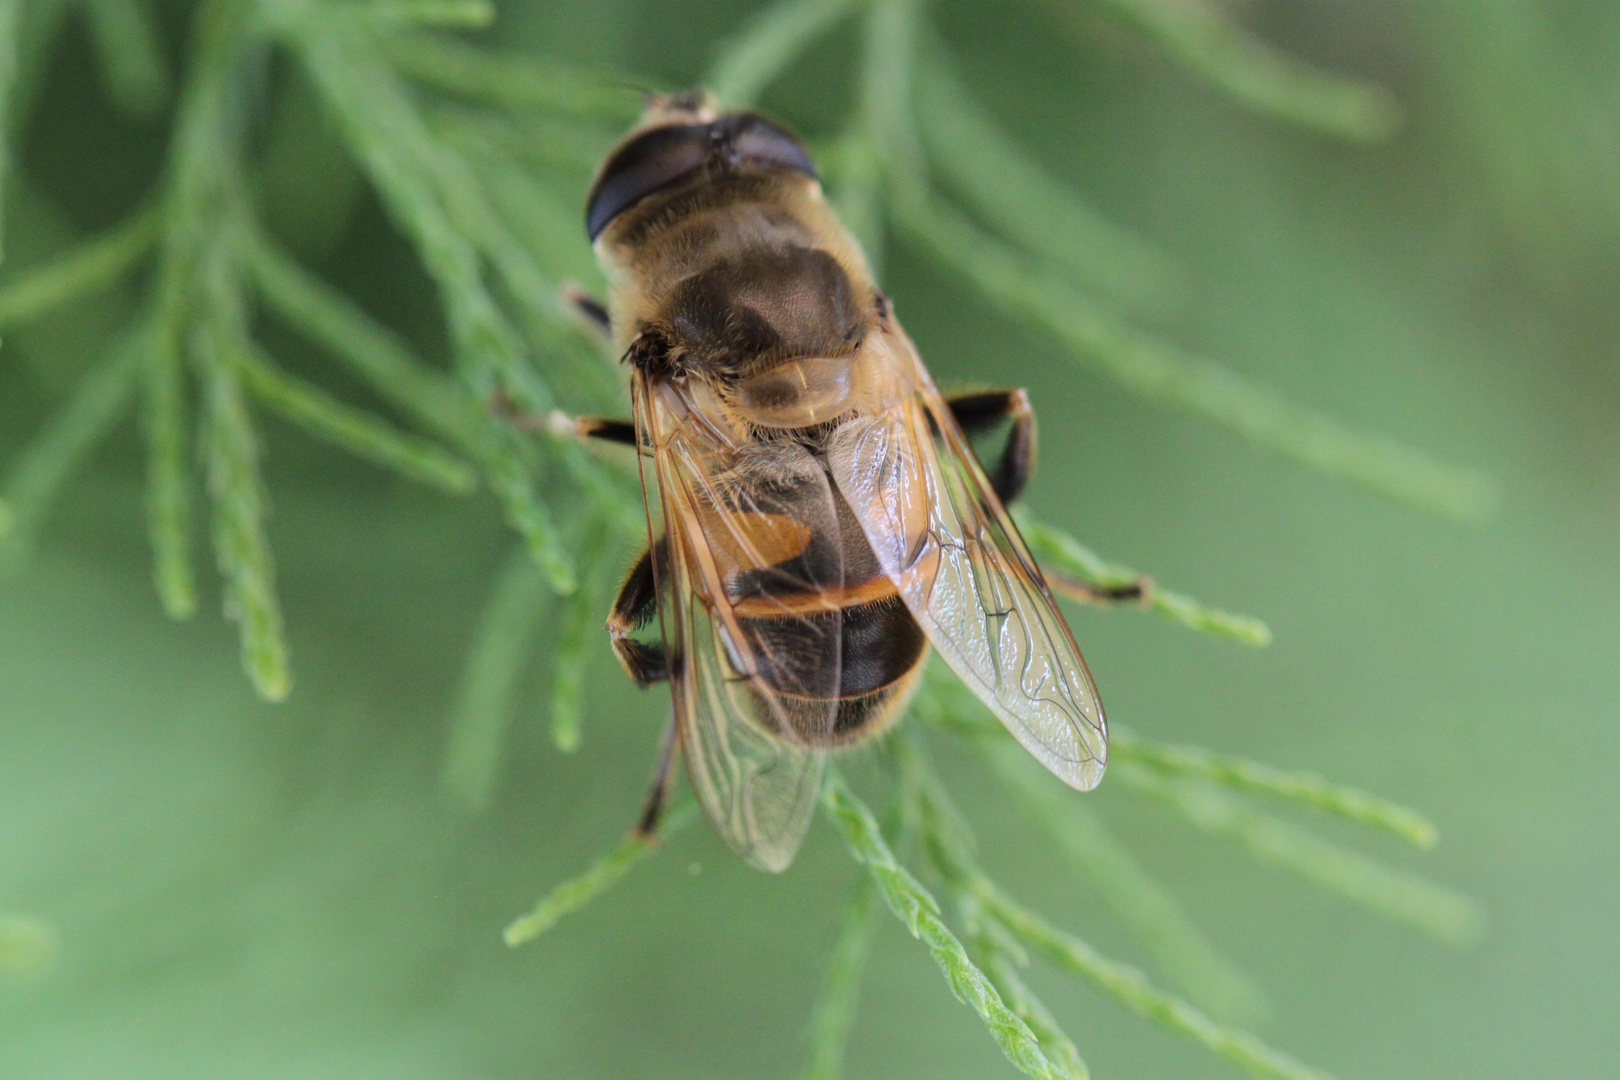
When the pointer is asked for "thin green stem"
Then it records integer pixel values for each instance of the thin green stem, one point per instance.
(436, 204)
(243, 550)
(949, 844)
(1147, 908)
(917, 910)
(840, 988)
(1056, 550)
(1157, 370)
(1020, 199)
(203, 162)
(1001, 962)
(168, 485)
(128, 45)
(1131, 988)
(512, 82)
(1212, 43)
(575, 893)
(359, 432)
(88, 268)
(416, 182)
(887, 67)
(1305, 788)
(370, 350)
(67, 439)
(1397, 895)
(500, 646)
(772, 40)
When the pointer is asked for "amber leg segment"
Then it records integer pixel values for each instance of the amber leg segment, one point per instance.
(636, 606)
(978, 413)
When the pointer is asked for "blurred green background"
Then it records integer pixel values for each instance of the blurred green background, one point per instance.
(243, 890)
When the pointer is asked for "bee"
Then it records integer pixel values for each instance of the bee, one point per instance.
(817, 519)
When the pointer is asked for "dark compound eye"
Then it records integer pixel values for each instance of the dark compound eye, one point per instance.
(754, 140)
(659, 157)
(642, 166)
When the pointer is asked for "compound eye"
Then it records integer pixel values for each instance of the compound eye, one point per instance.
(663, 155)
(642, 166)
(757, 141)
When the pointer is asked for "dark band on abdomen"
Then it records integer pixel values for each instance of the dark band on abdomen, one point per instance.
(864, 647)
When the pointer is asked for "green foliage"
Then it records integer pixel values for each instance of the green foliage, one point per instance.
(477, 158)
(575, 893)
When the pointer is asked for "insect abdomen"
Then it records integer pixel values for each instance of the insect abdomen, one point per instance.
(871, 648)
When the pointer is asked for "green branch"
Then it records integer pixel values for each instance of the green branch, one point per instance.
(220, 347)
(949, 845)
(834, 1013)
(128, 46)
(1001, 958)
(1397, 895)
(1212, 43)
(361, 433)
(1155, 369)
(1147, 908)
(1305, 788)
(1014, 194)
(66, 440)
(575, 893)
(771, 41)
(11, 14)
(1057, 550)
(512, 82)
(919, 913)
(581, 626)
(1131, 988)
(80, 271)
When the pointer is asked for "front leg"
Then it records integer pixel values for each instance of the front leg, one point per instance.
(635, 607)
(978, 413)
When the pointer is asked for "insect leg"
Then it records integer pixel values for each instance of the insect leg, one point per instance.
(635, 607)
(1140, 590)
(652, 812)
(980, 412)
(592, 312)
(622, 432)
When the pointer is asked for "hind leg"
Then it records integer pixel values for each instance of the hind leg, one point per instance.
(980, 412)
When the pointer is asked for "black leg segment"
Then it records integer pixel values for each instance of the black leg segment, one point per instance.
(637, 606)
(979, 413)
(622, 432)
(591, 311)
(652, 811)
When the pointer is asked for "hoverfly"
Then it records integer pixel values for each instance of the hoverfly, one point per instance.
(816, 516)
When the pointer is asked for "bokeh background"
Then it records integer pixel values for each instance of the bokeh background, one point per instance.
(245, 890)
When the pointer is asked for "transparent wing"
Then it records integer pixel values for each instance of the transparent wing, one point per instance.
(754, 678)
(960, 565)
